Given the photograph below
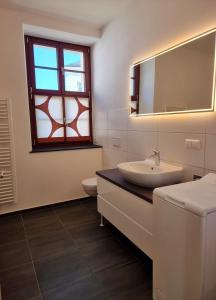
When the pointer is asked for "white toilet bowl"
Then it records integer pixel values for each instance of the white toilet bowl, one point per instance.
(90, 186)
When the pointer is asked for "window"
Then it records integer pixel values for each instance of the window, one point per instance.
(59, 93)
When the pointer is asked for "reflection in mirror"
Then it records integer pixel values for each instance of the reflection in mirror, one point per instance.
(178, 80)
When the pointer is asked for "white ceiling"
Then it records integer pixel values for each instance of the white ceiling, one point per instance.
(57, 35)
(95, 12)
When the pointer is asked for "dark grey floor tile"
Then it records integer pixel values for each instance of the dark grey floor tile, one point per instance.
(138, 293)
(19, 283)
(67, 245)
(116, 233)
(14, 254)
(50, 244)
(106, 253)
(87, 233)
(11, 229)
(126, 243)
(63, 268)
(76, 215)
(121, 280)
(90, 203)
(87, 289)
(39, 221)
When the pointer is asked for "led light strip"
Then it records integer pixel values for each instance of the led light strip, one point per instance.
(213, 104)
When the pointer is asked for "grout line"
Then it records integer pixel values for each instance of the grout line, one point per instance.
(75, 243)
(204, 154)
(66, 228)
(11, 243)
(165, 131)
(59, 219)
(182, 163)
(93, 273)
(52, 210)
(29, 248)
(16, 266)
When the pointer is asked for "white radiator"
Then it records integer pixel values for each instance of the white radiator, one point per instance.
(7, 168)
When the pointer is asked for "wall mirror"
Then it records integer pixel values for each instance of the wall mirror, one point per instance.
(178, 80)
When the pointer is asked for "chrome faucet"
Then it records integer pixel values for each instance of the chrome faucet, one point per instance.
(156, 157)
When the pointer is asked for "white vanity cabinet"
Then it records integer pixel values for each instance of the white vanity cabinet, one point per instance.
(132, 215)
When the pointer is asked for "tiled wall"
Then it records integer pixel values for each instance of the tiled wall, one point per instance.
(138, 136)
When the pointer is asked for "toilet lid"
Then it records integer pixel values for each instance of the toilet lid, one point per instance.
(90, 182)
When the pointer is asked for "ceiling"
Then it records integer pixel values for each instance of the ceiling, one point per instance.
(95, 12)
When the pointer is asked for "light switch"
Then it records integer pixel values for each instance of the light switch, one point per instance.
(193, 144)
(188, 144)
(116, 142)
(196, 144)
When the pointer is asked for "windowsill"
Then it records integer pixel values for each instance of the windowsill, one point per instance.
(60, 148)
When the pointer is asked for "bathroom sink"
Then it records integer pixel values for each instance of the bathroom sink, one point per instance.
(146, 173)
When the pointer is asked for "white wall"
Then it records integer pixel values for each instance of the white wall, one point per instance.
(146, 29)
(42, 178)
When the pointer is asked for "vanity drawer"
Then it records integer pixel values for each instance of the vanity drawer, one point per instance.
(134, 207)
(129, 227)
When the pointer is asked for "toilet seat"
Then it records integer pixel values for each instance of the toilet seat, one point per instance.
(90, 186)
(90, 183)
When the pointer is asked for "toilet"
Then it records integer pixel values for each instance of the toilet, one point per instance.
(90, 186)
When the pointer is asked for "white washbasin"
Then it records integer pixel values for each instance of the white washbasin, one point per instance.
(145, 173)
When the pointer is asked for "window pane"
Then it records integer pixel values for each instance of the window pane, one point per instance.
(133, 106)
(71, 109)
(58, 133)
(132, 87)
(55, 108)
(44, 124)
(74, 82)
(84, 101)
(49, 116)
(77, 120)
(70, 132)
(46, 79)
(83, 124)
(45, 56)
(73, 60)
(39, 100)
(132, 69)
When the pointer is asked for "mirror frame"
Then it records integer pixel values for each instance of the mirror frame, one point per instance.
(213, 108)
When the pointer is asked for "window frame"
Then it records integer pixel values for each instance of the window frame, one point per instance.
(32, 91)
(136, 86)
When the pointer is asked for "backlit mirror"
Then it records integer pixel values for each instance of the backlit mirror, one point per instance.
(178, 80)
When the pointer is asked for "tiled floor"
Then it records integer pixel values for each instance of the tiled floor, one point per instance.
(62, 253)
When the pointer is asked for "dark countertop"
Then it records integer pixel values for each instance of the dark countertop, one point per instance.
(114, 176)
